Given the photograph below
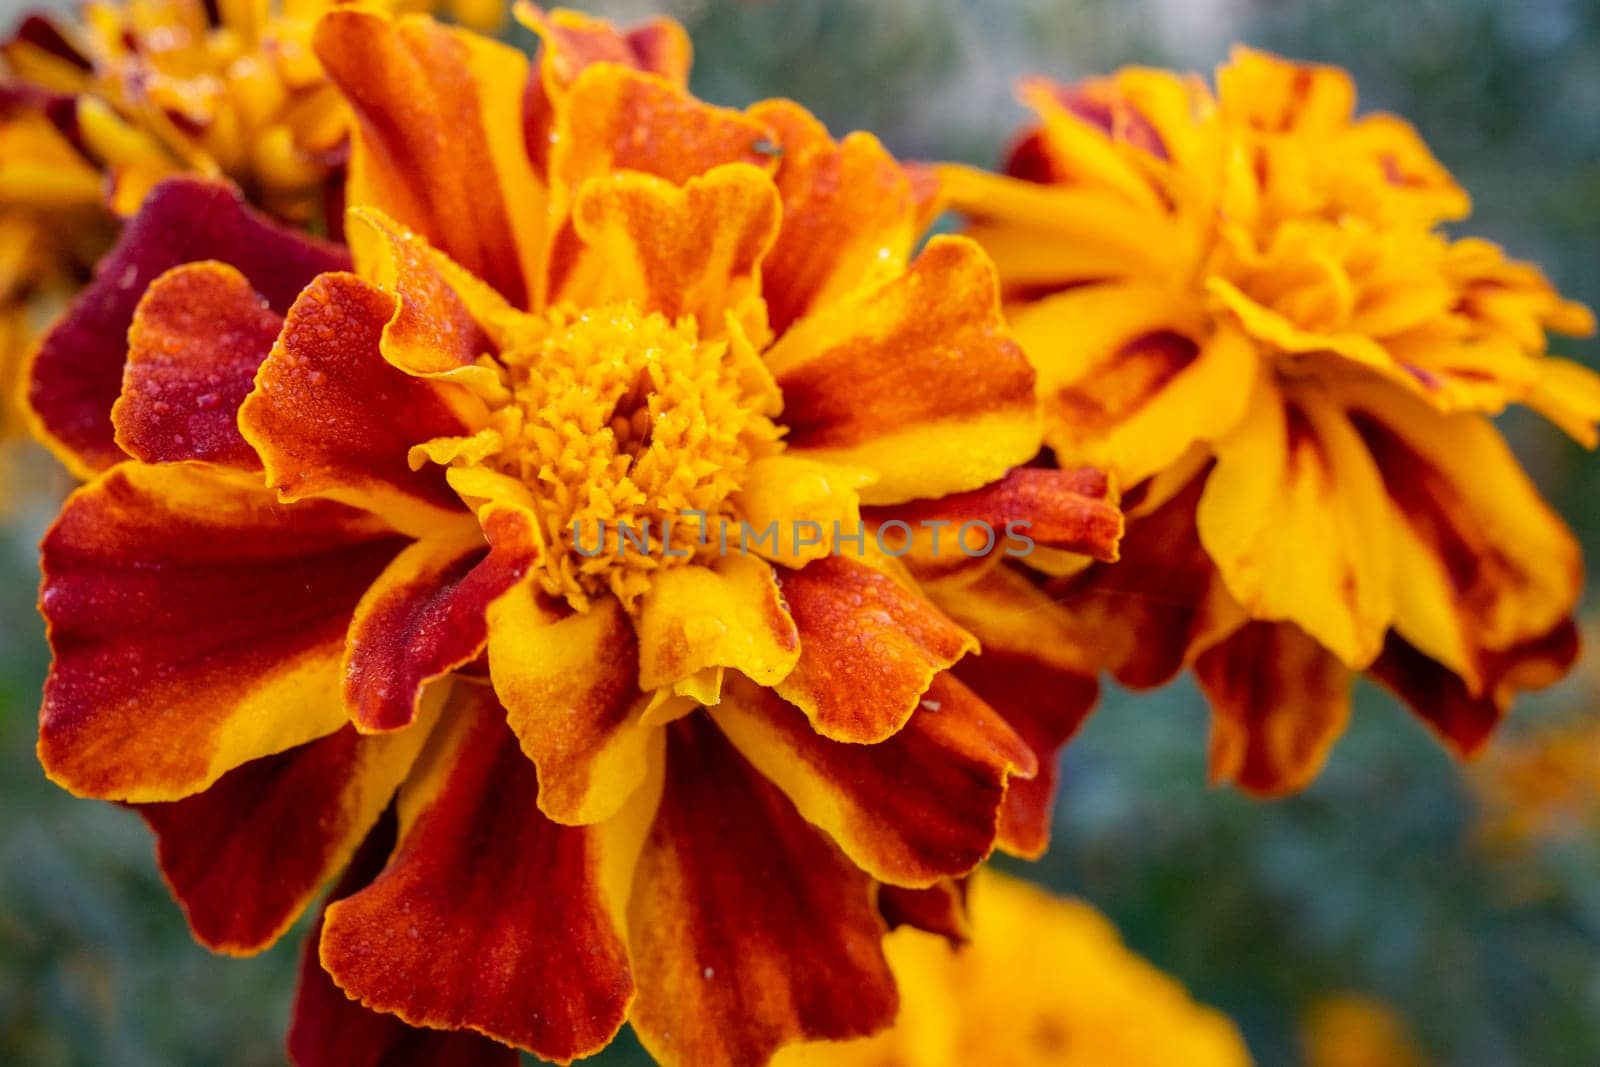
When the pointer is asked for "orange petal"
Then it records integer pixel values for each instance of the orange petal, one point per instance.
(939, 909)
(245, 857)
(197, 624)
(329, 417)
(848, 214)
(869, 648)
(1147, 616)
(1462, 719)
(1035, 672)
(417, 86)
(1030, 508)
(328, 1029)
(693, 250)
(729, 615)
(921, 806)
(916, 379)
(197, 338)
(570, 687)
(1278, 701)
(425, 616)
(749, 928)
(1295, 518)
(488, 916)
(78, 371)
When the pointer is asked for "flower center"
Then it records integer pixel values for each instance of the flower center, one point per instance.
(625, 426)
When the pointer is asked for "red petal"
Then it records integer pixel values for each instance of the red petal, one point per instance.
(939, 909)
(197, 339)
(331, 1030)
(488, 916)
(749, 928)
(245, 857)
(196, 624)
(78, 371)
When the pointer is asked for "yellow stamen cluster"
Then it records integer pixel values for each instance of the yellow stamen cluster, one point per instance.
(619, 418)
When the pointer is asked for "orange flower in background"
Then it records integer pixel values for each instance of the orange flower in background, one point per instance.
(1043, 982)
(1353, 1030)
(340, 551)
(1240, 303)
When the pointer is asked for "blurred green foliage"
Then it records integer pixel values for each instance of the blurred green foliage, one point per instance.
(1370, 881)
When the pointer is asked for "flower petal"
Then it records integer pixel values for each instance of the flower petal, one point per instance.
(330, 418)
(571, 692)
(848, 214)
(869, 648)
(728, 615)
(1484, 563)
(694, 250)
(328, 1029)
(425, 616)
(245, 857)
(198, 336)
(1147, 616)
(1279, 701)
(488, 916)
(1461, 718)
(416, 86)
(197, 624)
(921, 806)
(1035, 671)
(939, 909)
(749, 928)
(1294, 516)
(916, 379)
(77, 373)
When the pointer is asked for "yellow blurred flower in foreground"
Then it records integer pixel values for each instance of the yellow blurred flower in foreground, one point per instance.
(1241, 303)
(1044, 981)
(1351, 1030)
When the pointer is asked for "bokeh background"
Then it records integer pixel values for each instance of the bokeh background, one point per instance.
(1468, 902)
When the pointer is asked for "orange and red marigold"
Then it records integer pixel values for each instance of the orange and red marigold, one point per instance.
(1240, 303)
(330, 559)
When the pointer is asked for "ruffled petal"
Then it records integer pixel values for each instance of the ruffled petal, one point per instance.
(1147, 616)
(416, 87)
(1484, 564)
(488, 916)
(692, 250)
(245, 857)
(330, 418)
(1278, 701)
(869, 648)
(916, 379)
(569, 683)
(78, 371)
(1295, 518)
(197, 338)
(1464, 719)
(197, 625)
(921, 806)
(1036, 672)
(426, 615)
(849, 217)
(730, 614)
(328, 1029)
(749, 928)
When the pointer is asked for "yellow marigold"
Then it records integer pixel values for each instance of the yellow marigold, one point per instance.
(1043, 982)
(1353, 1030)
(341, 548)
(1241, 304)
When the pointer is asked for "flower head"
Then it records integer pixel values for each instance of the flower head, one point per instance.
(1240, 302)
(1041, 980)
(345, 546)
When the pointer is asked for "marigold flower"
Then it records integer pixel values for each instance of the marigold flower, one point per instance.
(339, 550)
(1240, 303)
(1043, 980)
(1355, 1030)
